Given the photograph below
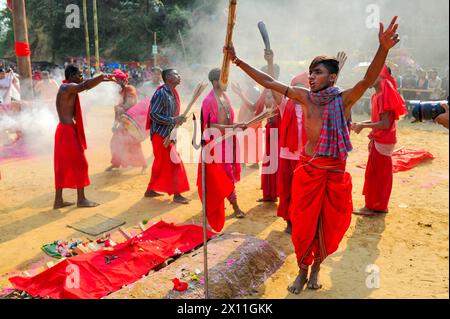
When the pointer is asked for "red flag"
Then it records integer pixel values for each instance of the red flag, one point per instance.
(218, 187)
(10, 5)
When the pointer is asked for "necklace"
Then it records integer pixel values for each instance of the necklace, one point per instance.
(223, 107)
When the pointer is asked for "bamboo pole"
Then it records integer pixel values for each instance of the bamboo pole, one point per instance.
(155, 54)
(97, 50)
(183, 47)
(195, 96)
(225, 71)
(86, 37)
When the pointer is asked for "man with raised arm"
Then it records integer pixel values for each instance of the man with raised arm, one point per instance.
(71, 167)
(321, 206)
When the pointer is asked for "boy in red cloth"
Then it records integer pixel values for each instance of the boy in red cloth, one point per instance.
(321, 206)
(387, 108)
(168, 173)
(126, 150)
(71, 167)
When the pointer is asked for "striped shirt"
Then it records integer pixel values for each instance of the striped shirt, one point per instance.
(162, 112)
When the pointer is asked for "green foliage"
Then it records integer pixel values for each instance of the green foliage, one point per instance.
(6, 33)
(125, 27)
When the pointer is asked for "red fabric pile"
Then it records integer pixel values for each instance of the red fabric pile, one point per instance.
(97, 274)
(406, 159)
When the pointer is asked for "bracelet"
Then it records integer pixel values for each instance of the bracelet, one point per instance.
(236, 61)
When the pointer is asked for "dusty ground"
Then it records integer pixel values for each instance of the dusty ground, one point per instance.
(409, 246)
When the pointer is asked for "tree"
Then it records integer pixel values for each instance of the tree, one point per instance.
(125, 27)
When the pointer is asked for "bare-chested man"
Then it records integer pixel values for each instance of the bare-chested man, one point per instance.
(321, 206)
(216, 109)
(71, 167)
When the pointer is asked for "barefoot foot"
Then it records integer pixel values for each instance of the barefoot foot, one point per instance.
(151, 194)
(368, 212)
(289, 228)
(267, 200)
(85, 203)
(239, 214)
(109, 169)
(58, 205)
(180, 199)
(299, 283)
(313, 282)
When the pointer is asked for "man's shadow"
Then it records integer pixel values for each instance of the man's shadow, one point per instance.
(352, 271)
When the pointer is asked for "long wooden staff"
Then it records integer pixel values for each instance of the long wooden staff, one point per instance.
(263, 116)
(197, 93)
(225, 72)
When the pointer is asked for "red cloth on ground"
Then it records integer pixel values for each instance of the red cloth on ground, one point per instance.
(218, 187)
(378, 180)
(168, 173)
(79, 120)
(321, 208)
(285, 175)
(406, 159)
(70, 164)
(126, 150)
(270, 162)
(98, 278)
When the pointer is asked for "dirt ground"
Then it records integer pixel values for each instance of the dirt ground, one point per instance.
(409, 246)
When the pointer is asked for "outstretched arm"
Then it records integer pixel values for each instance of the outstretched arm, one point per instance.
(388, 39)
(88, 84)
(382, 124)
(295, 93)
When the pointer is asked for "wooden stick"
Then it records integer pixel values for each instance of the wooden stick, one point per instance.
(259, 118)
(197, 93)
(125, 233)
(225, 71)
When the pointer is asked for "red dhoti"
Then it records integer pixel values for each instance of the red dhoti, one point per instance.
(321, 208)
(126, 150)
(286, 170)
(270, 164)
(168, 173)
(378, 182)
(71, 167)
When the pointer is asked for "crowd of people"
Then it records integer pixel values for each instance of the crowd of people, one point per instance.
(424, 85)
(311, 113)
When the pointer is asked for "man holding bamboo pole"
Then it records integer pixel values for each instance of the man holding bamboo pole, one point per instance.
(168, 173)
